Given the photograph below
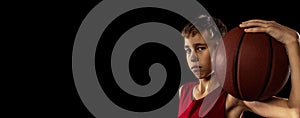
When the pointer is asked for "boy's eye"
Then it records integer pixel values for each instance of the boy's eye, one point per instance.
(188, 51)
(201, 48)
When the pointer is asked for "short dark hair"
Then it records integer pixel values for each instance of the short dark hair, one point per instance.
(204, 22)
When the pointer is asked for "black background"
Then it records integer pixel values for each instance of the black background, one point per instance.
(45, 35)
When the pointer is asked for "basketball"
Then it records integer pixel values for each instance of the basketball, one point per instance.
(256, 66)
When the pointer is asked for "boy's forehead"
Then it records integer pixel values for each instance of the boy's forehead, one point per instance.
(194, 39)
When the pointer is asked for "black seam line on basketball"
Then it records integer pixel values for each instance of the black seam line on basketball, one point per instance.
(270, 67)
(236, 66)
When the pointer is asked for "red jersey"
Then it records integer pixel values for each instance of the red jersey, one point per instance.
(211, 106)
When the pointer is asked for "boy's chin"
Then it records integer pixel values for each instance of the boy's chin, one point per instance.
(199, 76)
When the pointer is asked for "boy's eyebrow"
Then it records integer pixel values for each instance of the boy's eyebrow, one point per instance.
(199, 44)
(196, 44)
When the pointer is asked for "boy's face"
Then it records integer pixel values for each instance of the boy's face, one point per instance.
(198, 56)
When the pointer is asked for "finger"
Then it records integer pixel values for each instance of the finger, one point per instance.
(256, 20)
(257, 23)
(264, 29)
(256, 29)
(254, 24)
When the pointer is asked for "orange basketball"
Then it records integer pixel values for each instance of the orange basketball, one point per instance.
(256, 65)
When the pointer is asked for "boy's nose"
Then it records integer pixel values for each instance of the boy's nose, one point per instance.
(194, 57)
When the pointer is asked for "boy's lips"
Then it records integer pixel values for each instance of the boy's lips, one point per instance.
(196, 68)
